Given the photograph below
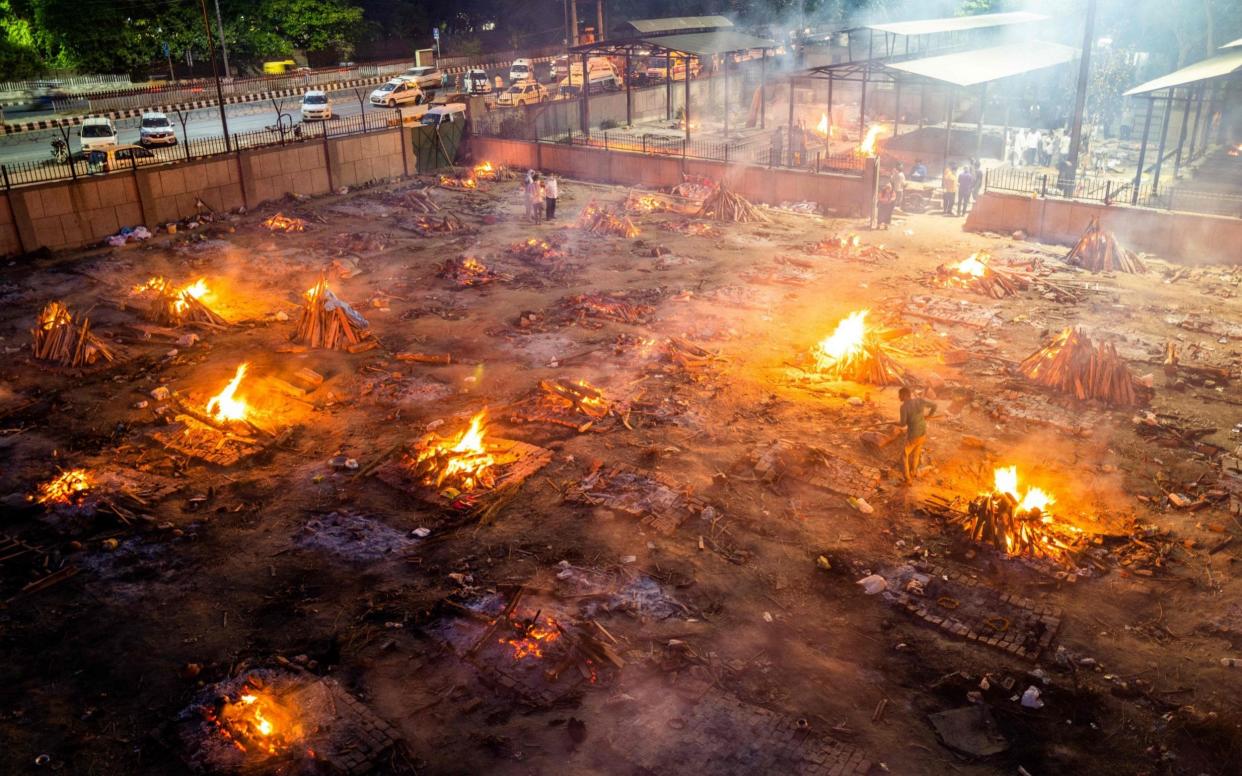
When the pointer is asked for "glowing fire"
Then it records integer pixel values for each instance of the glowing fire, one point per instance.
(867, 146)
(486, 171)
(976, 264)
(534, 637)
(463, 463)
(67, 488)
(225, 405)
(845, 342)
(823, 128)
(1006, 481)
(180, 296)
(280, 223)
(450, 182)
(256, 720)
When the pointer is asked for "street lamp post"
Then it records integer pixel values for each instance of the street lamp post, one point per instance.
(215, 72)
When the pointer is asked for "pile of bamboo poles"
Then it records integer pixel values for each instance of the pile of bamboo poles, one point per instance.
(1098, 251)
(724, 205)
(328, 322)
(56, 338)
(172, 306)
(602, 220)
(1073, 364)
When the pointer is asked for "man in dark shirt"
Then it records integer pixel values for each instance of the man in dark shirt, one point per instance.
(914, 414)
(965, 183)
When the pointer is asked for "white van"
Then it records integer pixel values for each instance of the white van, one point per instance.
(97, 133)
(453, 113)
(600, 81)
(521, 70)
(476, 82)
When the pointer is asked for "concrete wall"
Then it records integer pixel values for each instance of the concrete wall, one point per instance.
(71, 214)
(842, 194)
(1189, 238)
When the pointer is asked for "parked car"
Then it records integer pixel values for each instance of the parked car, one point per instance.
(396, 92)
(278, 67)
(560, 68)
(476, 82)
(657, 69)
(525, 93)
(599, 80)
(156, 129)
(426, 77)
(454, 113)
(97, 133)
(521, 70)
(316, 105)
(119, 157)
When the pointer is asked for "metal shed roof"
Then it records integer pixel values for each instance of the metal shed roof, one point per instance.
(648, 26)
(709, 43)
(1213, 67)
(958, 23)
(969, 68)
(1233, 44)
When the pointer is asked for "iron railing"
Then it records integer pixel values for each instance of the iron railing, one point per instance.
(1090, 188)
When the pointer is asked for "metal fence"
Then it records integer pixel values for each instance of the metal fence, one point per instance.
(1088, 188)
(283, 133)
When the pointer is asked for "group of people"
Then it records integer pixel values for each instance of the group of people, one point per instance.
(1036, 148)
(541, 194)
(797, 145)
(958, 188)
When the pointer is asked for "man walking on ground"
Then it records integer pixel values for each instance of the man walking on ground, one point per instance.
(965, 185)
(914, 414)
(551, 191)
(948, 189)
(898, 181)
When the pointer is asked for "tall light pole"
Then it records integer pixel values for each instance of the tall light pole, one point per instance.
(1080, 99)
(215, 72)
(223, 46)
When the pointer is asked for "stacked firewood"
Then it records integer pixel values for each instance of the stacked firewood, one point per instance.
(602, 220)
(1098, 251)
(868, 364)
(56, 338)
(995, 283)
(573, 404)
(419, 200)
(172, 306)
(1073, 364)
(426, 226)
(849, 246)
(724, 205)
(329, 322)
(996, 519)
(537, 251)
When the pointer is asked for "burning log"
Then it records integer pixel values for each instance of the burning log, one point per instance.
(691, 228)
(582, 307)
(602, 220)
(280, 223)
(849, 246)
(977, 274)
(329, 322)
(67, 488)
(56, 338)
(427, 226)
(172, 306)
(1098, 251)
(645, 203)
(724, 205)
(1017, 522)
(469, 271)
(462, 464)
(573, 404)
(536, 251)
(1072, 364)
(486, 171)
(462, 181)
(854, 353)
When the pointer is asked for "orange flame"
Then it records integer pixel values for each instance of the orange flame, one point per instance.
(845, 342)
(976, 264)
(823, 128)
(66, 488)
(532, 643)
(867, 146)
(225, 406)
(162, 286)
(464, 462)
(280, 223)
(256, 719)
(1006, 481)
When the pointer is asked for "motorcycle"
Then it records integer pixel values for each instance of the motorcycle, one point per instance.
(60, 151)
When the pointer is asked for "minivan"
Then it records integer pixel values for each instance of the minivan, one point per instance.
(97, 133)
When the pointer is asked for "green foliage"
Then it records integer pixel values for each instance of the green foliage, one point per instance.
(18, 62)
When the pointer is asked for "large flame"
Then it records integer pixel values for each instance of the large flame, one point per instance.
(225, 405)
(179, 296)
(846, 341)
(464, 463)
(823, 128)
(66, 488)
(1006, 481)
(867, 146)
(975, 264)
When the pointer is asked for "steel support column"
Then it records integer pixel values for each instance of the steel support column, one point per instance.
(1138, 175)
(1164, 136)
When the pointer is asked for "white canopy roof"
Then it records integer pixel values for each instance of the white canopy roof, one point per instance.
(958, 23)
(1213, 67)
(970, 68)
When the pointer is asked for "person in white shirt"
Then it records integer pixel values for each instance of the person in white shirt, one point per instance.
(1032, 148)
(551, 190)
(1019, 147)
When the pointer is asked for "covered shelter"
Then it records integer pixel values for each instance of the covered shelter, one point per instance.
(1214, 75)
(678, 38)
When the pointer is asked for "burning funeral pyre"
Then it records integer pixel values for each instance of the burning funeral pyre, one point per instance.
(68, 488)
(1073, 364)
(724, 205)
(867, 147)
(459, 180)
(329, 322)
(691, 228)
(1098, 251)
(462, 464)
(602, 220)
(853, 352)
(172, 306)
(58, 339)
(281, 223)
(574, 404)
(429, 226)
(468, 271)
(1016, 521)
(977, 274)
(849, 246)
(536, 251)
(486, 171)
(225, 406)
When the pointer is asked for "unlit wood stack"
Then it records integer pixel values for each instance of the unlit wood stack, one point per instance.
(1098, 251)
(1073, 364)
(724, 205)
(420, 201)
(328, 322)
(56, 338)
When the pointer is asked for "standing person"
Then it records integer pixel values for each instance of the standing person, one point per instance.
(1019, 147)
(898, 180)
(948, 189)
(977, 173)
(551, 191)
(1032, 146)
(965, 184)
(1046, 144)
(884, 206)
(914, 414)
(530, 181)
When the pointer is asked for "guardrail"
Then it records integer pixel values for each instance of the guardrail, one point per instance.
(1110, 191)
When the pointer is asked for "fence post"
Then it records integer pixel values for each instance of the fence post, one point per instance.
(726, 152)
(644, 142)
(4, 171)
(1043, 186)
(605, 140)
(817, 155)
(1108, 191)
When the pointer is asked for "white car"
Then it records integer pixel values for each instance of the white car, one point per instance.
(453, 113)
(97, 133)
(521, 70)
(156, 129)
(476, 82)
(525, 93)
(396, 92)
(426, 77)
(316, 105)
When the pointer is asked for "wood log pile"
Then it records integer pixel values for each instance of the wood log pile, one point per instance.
(850, 247)
(604, 221)
(868, 364)
(172, 306)
(328, 322)
(724, 205)
(534, 250)
(572, 404)
(995, 519)
(691, 228)
(58, 339)
(282, 223)
(1098, 251)
(1071, 363)
(597, 306)
(418, 200)
(428, 226)
(994, 283)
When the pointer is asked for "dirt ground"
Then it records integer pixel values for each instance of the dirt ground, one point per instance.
(740, 630)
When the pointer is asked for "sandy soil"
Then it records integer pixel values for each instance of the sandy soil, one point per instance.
(222, 574)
